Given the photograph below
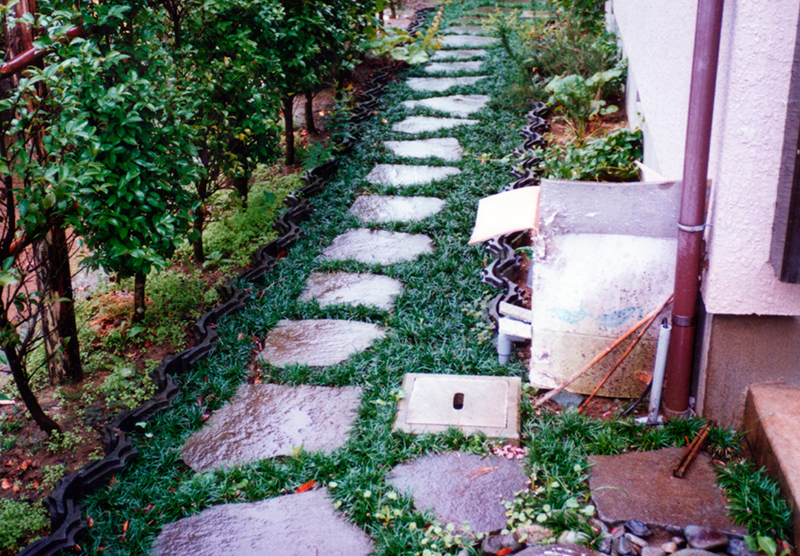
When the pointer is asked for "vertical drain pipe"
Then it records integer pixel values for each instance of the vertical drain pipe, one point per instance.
(693, 203)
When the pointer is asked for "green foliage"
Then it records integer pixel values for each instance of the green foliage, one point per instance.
(126, 388)
(63, 442)
(580, 99)
(610, 158)
(52, 473)
(586, 14)
(20, 521)
(765, 545)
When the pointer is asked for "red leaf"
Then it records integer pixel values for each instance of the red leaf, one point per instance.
(305, 486)
(125, 528)
(504, 551)
(206, 415)
(5, 485)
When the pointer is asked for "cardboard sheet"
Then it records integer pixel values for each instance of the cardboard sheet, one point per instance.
(505, 213)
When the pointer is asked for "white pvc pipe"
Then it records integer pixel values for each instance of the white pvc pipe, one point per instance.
(658, 371)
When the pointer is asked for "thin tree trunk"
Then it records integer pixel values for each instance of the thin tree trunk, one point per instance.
(45, 423)
(59, 328)
(310, 127)
(198, 221)
(288, 121)
(393, 8)
(139, 282)
(242, 186)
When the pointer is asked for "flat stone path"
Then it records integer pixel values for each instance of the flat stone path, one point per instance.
(465, 30)
(463, 54)
(382, 209)
(317, 343)
(265, 421)
(403, 175)
(344, 288)
(292, 525)
(424, 124)
(377, 247)
(455, 105)
(468, 41)
(453, 67)
(446, 148)
(441, 84)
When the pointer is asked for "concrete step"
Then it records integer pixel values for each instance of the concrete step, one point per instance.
(772, 416)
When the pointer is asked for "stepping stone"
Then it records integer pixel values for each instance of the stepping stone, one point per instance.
(640, 486)
(378, 246)
(382, 209)
(456, 105)
(483, 11)
(440, 84)
(465, 30)
(470, 20)
(403, 175)
(464, 54)
(452, 67)
(460, 41)
(342, 288)
(530, 14)
(291, 525)
(423, 124)
(269, 420)
(317, 343)
(446, 148)
(462, 488)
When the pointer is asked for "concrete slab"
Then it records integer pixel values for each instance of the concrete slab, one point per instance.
(434, 403)
(640, 486)
(587, 290)
(269, 420)
(343, 288)
(441, 84)
(462, 489)
(424, 124)
(465, 30)
(378, 246)
(465, 54)
(317, 343)
(469, 20)
(453, 67)
(403, 175)
(772, 412)
(446, 148)
(291, 525)
(380, 209)
(455, 105)
(466, 41)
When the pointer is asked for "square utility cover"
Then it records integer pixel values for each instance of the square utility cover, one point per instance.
(434, 403)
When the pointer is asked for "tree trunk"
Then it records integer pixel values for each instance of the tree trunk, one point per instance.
(242, 186)
(23, 387)
(393, 8)
(197, 234)
(59, 329)
(139, 282)
(310, 127)
(288, 121)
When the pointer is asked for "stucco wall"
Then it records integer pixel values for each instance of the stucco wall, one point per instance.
(756, 61)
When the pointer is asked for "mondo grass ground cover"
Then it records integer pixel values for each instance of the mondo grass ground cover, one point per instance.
(436, 327)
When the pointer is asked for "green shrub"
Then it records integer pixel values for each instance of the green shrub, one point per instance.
(126, 388)
(20, 520)
(581, 99)
(610, 158)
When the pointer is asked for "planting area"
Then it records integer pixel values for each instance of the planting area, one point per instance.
(283, 439)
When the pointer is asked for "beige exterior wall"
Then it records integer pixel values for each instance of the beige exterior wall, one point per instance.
(755, 68)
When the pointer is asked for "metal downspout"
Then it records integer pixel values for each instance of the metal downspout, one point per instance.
(693, 204)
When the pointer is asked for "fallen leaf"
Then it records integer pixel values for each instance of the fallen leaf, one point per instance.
(91, 522)
(206, 416)
(504, 551)
(306, 486)
(5, 485)
(25, 464)
(113, 481)
(9, 463)
(15, 488)
(125, 528)
(147, 343)
(35, 483)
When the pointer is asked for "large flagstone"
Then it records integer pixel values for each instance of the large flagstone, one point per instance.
(440, 84)
(269, 420)
(464, 54)
(317, 343)
(462, 41)
(455, 105)
(382, 209)
(403, 175)
(344, 288)
(446, 148)
(378, 246)
(424, 124)
(291, 525)
(465, 30)
(462, 489)
(453, 67)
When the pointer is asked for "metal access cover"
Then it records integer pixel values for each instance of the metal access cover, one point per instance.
(434, 403)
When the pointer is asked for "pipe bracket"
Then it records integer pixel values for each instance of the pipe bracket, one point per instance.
(692, 229)
(682, 321)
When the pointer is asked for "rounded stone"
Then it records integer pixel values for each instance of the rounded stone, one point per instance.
(638, 528)
(382, 209)
(704, 538)
(342, 288)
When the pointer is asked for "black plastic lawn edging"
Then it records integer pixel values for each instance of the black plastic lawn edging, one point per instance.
(62, 504)
(503, 272)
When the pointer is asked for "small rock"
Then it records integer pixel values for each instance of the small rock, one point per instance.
(636, 540)
(572, 537)
(638, 528)
(617, 532)
(624, 546)
(492, 545)
(669, 547)
(694, 552)
(680, 542)
(568, 399)
(653, 551)
(606, 545)
(599, 526)
(463, 552)
(705, 539)
(737, 547)
(533, 534)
